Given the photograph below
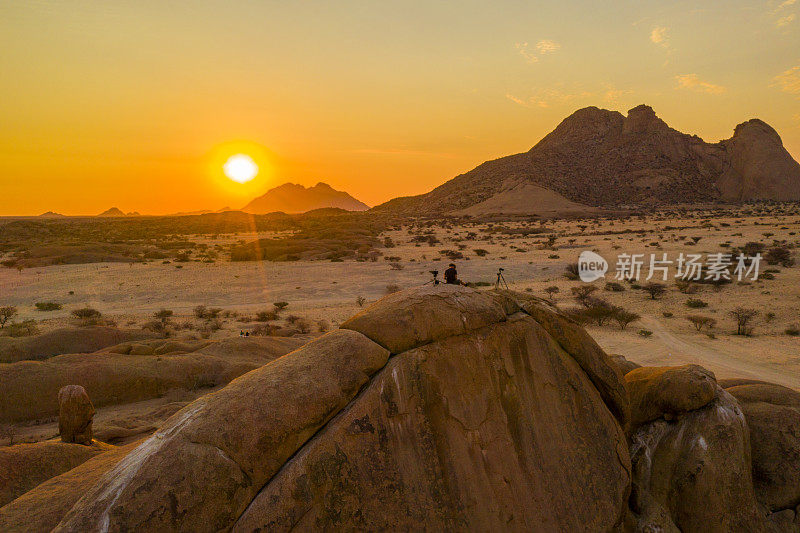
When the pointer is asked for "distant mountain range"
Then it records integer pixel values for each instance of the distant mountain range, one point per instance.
(116, 212)
(292, 198)
(603, 159)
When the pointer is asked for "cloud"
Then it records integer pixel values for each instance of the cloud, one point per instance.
(612, 94)
(693, 82)
(784, 21)
(546, 46)
(546, 97)
(788, 81)
(659, 36)
(529, 56)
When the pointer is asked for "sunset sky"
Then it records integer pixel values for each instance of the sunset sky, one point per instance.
(136, 104)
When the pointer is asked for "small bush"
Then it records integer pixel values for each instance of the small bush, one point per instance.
(302, 325)
(26, 328)
(360, 301)
(323, 326)
(392, 288)
(266, 316)
(667, 314)
(792, 331)
(645, 333)
(480, 252)
(701, 322)
(7, 313)
(696, 303)
(280, 306)
(613, 286)
(48, 306)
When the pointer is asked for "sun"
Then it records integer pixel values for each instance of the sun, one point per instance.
(240, 168)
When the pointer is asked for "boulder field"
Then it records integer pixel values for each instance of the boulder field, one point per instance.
(447, 408)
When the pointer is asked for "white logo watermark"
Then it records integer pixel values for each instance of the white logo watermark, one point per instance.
(688, 267)
(591, 266)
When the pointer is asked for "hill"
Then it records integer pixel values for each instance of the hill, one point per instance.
(116, 212)
(603, 159)
(292, 198)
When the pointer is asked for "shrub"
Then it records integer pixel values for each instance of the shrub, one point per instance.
(667, 314)
(87, 316)
(623, 317)
(645, 333)
(696, 303)
(266, 316)
(583, 293)
(480, 252)
(291, 319)
(699, 322)
(599, 310)
(613, 286)
(323, 326)
(164, 316)
(792, 331)
(156, 326)
(280, 306)
(8, 432)
(571, 271)
(392, 288)
(360, 301)
(780, 255)
(552, 291)
(303, 325)
(7, 313)
(207, 313)
(48, 306)
(26, 328)
(396, 266)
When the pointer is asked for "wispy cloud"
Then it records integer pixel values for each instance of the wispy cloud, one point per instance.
(785, 21)
(660, 36)
(547, 97)
(545, 46)
(788, 81)
(529, 56)
(693, 82)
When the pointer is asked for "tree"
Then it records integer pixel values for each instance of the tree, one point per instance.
(552, 291)
(699, 322)
(598, 310)
(623, 317)
(583, 293)
(87, 315)
(7, 313)
(743, 316)
(655, 290)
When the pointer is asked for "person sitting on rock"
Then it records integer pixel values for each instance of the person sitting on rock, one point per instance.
(451, 275)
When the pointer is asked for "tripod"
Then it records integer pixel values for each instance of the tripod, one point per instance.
(435, 280)
(501, 281)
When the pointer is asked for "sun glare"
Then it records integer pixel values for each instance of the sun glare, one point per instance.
(240, 168)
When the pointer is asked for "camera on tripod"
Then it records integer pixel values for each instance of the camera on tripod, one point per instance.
(501, 280)
(435, 274)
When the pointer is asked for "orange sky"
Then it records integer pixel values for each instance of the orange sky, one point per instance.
(132, 103)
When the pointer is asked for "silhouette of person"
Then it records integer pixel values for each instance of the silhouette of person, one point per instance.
(451, 275)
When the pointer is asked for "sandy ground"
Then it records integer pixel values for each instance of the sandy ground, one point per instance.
(328, 290)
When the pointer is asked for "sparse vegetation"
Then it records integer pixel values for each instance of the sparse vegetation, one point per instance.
(48, 306)
(552, 291)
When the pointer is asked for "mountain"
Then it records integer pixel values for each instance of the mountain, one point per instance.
(116, 212)
(291, 198)
(598, 159)
(52, 214)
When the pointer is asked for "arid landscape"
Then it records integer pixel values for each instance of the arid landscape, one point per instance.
(400, 266)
